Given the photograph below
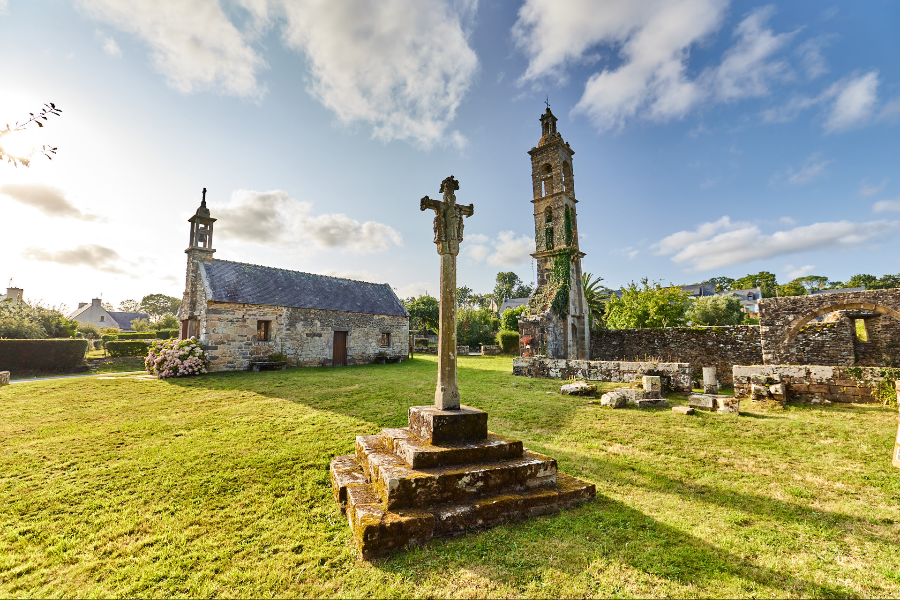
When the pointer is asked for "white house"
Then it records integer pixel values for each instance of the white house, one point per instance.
(14, 295)
(99, 316)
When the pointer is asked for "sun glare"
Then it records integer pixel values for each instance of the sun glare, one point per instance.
(20, 144)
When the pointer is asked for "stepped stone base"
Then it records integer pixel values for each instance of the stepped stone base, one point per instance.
(399, 489)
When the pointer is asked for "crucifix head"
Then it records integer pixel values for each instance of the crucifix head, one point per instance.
(448, 186)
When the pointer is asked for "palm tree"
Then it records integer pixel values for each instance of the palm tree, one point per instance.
(595, 295)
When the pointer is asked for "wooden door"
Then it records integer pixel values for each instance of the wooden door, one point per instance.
(339, 359)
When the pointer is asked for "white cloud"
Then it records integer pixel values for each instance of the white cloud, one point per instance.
(111, 47)
(886, 206)
(94, 256)
(3, 7)
(402, 66)
(418, 288)
(813, 168)
(866, 190)
(194, 44)
(49, 200)
(274, 218)
(507, 250)
(810, 54)
(787, 220)
(795, 272)
(723, 243)
(628, 252)
(854, 103)
(653, 39)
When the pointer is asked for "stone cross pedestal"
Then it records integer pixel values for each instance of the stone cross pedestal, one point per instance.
(448, 233)
(710, 383)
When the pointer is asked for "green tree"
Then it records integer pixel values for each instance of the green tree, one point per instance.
(889, 281)
(764, 280)
(507, 283)
(792, 288)
(464, 296)
(157, 305)
(50, 320)
(509, 320)
(131, 306)
(165, 322)
(89, 331)
(716, 310)
(424, 311)
(523, 290)
(473, 327)
(861, 280)
(812, 282)
(649, 306)
(595, 295)
(723, 284)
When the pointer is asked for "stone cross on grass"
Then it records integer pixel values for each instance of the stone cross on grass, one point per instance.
(448, 233)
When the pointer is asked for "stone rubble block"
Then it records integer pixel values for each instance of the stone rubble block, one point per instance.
(652, 386)
(728, 405)
(652, 403)
(702, 402)
(759, 391)
(579, 388)
(710, 383)
(613, 400)
(683, 410)
(631, 395)
(4, 377)
(778, 392)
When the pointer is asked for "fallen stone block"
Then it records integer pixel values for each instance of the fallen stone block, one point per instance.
(652, 403)
(728, 405)
(4, 378)
(702, 402)
(579, 388)
(759, 379)
(613, 400)
(683, 410)
(759, 392)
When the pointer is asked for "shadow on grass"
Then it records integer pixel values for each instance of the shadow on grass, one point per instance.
(584, 543)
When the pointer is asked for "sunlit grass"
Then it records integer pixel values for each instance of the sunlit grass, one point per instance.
(218, 486)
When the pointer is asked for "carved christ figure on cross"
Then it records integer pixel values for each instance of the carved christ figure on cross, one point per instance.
(448, 220)
(448, 233)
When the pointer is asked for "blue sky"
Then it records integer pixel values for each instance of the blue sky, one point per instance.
(712, 138)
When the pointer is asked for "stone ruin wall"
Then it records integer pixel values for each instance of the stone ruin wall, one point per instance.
(676, 376)
(548, 332)
(720, 347)
(805, 381)
(306, 336)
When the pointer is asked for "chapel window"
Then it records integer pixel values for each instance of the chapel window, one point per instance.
(385, 340)
(262, 331)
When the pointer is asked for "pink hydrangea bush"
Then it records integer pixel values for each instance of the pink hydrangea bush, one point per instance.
(176, 358)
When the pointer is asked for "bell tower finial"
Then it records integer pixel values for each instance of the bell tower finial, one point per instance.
(201, 227)
(203, 201)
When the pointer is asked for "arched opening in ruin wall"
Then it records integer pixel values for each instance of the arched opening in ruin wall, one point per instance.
(801, 322)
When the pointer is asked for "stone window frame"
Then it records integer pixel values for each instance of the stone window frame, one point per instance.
(102, 318)
(265, 326)
(385, 339)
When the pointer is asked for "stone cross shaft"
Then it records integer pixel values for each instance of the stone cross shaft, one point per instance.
(448, 233)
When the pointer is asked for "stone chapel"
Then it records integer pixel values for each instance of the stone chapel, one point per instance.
(243, 312)
(557, 325)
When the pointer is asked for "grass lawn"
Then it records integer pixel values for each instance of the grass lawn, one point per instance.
(218, 486)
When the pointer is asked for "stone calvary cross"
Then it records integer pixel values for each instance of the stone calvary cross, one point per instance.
(448, 233)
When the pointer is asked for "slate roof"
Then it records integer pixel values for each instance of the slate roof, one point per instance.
(244, 283)
(513, 303)
(124, 319)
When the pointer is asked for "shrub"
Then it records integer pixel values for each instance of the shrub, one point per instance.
(422, 342)
(175, 358)
(508, 341)
(473, 327)
(21, 329)
(89, 331)
(138, 336)
(129, 348)
(166, 334)
(41, 355)
(140, 325)
(165, 322)
(509, 320)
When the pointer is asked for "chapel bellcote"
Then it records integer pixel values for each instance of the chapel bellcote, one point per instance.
(201, 228)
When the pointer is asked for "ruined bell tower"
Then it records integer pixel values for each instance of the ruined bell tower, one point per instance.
(558, 323)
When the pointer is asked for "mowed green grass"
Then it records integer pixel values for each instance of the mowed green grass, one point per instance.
(219, 486)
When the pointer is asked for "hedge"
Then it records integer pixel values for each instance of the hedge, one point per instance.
(41, 355)
(147, 335)
(508, 341)
(129, 348)
(166, 334)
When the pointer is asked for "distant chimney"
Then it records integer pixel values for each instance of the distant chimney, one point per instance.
(82, 304)
(14, 294)
(95, 301)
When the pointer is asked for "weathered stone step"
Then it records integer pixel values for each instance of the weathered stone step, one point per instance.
(345, 470)
(378, 531)
(421, 455)
(401, 486)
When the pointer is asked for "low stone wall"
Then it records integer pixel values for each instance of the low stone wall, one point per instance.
(491, 350)
(677, 376)
(720, 347)
(803, 381)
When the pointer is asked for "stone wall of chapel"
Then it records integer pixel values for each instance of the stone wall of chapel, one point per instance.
(305, 336)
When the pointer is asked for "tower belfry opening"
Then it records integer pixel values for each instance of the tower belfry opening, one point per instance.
(557, 323)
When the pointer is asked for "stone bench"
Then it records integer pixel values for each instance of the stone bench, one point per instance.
(257, 366)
